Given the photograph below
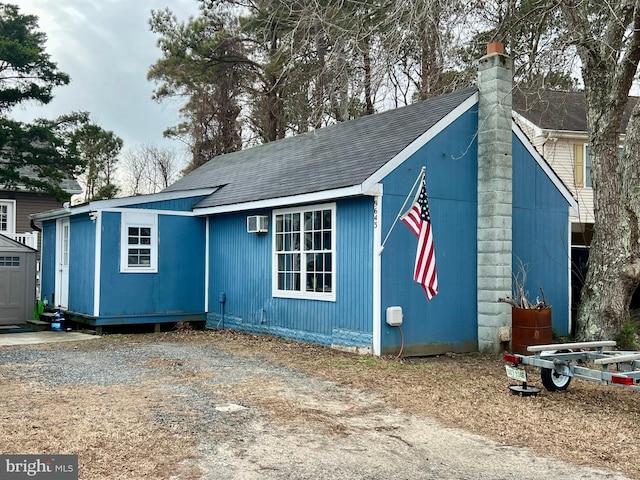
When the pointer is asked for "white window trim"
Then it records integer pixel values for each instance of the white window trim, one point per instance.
(303, 294)
(11, 216)
(138, 219)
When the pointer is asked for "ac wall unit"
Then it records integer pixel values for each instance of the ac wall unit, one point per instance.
(257, 224)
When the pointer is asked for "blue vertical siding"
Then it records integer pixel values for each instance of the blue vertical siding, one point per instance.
(177, 288)
(355, 275)
(178, 204)
(82, 245)
(540, 230)
(241, 267)
(48, 260)
(448, 322)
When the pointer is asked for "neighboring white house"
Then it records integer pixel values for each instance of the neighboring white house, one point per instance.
(556, 124)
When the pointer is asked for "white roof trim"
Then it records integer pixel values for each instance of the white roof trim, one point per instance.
(537, 131)
(316, 197)
(562, 188)
(123, 202)
(419, 142)
(170, 213)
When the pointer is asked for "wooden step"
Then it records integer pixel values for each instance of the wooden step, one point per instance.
(14, 328)
(47, 316)
(39, 325)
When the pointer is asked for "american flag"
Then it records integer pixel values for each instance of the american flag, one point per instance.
(419, 222)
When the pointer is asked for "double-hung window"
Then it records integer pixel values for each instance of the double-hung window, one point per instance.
(139, 243)
(304, 252)
(7, 216)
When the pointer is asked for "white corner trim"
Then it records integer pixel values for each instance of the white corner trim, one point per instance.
(377, 275)
(206, 265)
(98, 265)
(569, 268)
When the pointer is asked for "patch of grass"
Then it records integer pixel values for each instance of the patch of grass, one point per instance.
(371, 361)
(628, 338)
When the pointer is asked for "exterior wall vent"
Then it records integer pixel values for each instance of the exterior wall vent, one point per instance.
(257, 224)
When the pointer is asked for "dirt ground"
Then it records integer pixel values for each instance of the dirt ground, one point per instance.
(131, 412)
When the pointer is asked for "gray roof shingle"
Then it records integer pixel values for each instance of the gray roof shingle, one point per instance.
(69, 185)
(338, 156)
(558, 110)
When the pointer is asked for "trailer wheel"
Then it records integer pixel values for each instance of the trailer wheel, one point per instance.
(553, 381)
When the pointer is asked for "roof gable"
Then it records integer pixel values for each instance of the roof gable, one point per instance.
(9, 245)
(334, 157)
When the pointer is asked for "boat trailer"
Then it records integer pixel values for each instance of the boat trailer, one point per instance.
(560, 362)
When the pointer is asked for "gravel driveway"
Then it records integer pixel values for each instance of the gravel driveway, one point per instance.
(239, 417)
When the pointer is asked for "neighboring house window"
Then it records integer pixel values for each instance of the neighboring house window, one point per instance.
(139, 243)
(587, 168)
(304, 252)
(7, 216)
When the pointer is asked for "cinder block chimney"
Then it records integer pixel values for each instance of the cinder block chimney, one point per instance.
(494, 249)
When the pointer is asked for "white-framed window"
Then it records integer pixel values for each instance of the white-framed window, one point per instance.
(9, 261)
(304, 242)
(139, 242)
(7, 216)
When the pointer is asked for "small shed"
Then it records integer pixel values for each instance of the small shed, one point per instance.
(17, 282)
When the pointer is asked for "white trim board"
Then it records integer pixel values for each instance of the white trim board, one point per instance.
(121, 203)
(573, 203)
(421, 141)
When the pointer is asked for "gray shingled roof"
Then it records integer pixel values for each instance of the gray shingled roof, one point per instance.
(69, 185)
(556, 110)
(338, 156)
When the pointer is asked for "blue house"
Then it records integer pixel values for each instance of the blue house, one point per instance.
(299, 237)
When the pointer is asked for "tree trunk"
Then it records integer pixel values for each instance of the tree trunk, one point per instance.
(431, 60)
(614, 258)
(609, 63)
(368, 95)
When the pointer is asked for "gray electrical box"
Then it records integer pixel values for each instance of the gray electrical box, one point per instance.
(394, 316)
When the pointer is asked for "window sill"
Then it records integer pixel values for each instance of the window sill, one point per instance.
(323, 297)
(139, 270)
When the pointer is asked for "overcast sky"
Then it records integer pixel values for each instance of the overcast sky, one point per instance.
(106, 47)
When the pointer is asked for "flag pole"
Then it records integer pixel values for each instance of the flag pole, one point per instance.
(415, 184)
